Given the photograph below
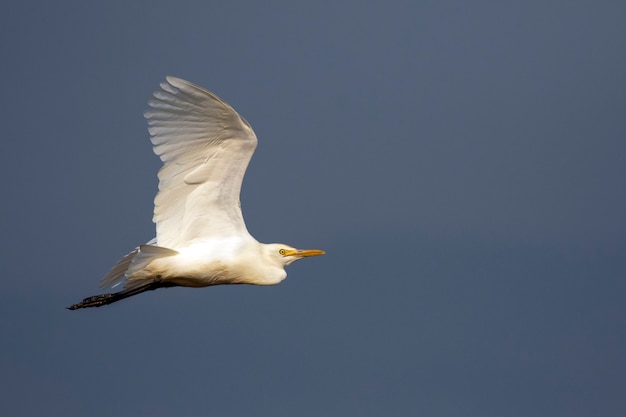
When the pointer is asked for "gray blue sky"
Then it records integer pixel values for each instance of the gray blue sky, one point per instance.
(462, 163)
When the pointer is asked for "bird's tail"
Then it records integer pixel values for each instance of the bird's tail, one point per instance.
(104, 299)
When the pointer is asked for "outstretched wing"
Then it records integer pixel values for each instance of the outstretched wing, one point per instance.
(205, 147)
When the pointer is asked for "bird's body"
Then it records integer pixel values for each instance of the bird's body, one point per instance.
(231, 261)
(201, 238)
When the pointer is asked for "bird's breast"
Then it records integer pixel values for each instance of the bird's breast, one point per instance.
(193, 269)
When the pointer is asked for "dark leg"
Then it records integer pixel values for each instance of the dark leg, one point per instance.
(104, 299)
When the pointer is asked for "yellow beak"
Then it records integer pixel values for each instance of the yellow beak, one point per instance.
(304, 253)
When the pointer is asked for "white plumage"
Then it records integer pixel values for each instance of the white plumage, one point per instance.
(201, 238)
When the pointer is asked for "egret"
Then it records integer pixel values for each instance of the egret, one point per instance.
(201, 238)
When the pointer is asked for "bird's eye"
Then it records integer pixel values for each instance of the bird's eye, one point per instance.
(282, 251)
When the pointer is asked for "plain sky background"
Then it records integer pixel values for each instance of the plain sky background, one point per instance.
(463, 163)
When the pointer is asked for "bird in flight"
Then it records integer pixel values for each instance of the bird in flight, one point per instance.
(201, 238)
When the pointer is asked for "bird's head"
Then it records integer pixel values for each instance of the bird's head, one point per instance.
(284, 254)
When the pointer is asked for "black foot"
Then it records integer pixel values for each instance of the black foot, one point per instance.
(104, 299)
(95, 301)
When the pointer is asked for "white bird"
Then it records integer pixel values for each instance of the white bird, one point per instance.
(201, 238)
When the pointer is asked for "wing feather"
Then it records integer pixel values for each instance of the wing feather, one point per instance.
(205, 147)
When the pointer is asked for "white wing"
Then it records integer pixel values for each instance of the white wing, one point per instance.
(205, 147)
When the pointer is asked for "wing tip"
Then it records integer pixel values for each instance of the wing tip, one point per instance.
(180, 83)
(172, 79)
